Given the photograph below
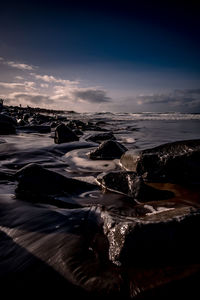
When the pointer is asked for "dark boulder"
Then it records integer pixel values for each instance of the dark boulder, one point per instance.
(7, 119)
(76, 124)
(100, 137)
(174, 162)
(132, 185)
(7, 124)
(64, 134)
(163, 236)
(108, 150)
(7, 128)
(38, 183)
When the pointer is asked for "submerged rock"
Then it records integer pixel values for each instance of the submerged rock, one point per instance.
(64, 134)
(108, 150)
(132, 185)
(36, 183)
(99, 137)
(175, 162)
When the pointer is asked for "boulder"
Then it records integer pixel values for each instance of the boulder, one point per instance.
(163, 236)
(172, 162)
(7, 119)
(108, 150)
(64, 134)
(132, 185)
(36, 183)
(7, 128)
(99, 137)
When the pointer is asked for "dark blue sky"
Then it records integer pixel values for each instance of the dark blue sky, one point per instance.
(127, 51)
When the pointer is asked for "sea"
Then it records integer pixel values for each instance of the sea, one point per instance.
(40, 249)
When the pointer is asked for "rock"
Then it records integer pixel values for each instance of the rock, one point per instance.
(7, 128)
(108, 150)
(174, 162)
(76, 124)
(7, 119)
(37, 183)
(132, 185)
(64, 134)
(78, 132)
(163, 236)
(99, 137)
(43, 118)
(21, 122)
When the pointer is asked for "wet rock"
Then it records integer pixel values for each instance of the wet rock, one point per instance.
(175, 162)
(132, 185)
(164, 236)
(21, 122)
(7, 128)
(100, 137)
(40, 118)
(64, 134)
(108, 150)
(78, 132)
(76, 124)
(37, 183)
(7, 119)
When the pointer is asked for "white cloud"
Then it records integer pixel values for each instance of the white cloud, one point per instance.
(19, 77)
(25, 86)
(11, 85)
(20, 66)
(44, 85)
(52, 79)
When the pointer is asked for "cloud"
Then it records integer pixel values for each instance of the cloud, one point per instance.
(52, 79)
(189, 98)
(27, 85)
(91, 95)
(11, 85)
(19, 77)
(28, 98)
(20, 66)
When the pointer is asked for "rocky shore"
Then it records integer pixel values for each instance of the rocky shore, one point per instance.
(131, 232)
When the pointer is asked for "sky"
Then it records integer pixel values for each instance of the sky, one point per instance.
(87, 56)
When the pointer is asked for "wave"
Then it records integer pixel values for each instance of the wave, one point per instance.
(144, 116)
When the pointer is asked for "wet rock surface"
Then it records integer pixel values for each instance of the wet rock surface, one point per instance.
(99, 137)
(132, 185)
(63, 134)
(108, 150)
(176, 162)
(163, 235)
(38, 184)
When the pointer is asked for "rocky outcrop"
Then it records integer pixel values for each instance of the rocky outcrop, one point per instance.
(175, 162)
(63, 134)
(108, 150)
(132, 185)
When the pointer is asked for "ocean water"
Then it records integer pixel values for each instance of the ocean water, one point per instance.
(45, 236)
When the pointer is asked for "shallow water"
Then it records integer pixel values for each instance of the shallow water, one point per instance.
(39, 231)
